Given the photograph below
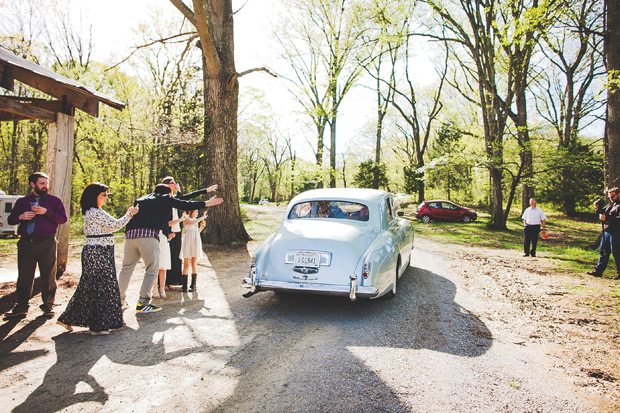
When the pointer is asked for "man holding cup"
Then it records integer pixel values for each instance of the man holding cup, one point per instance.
(38, 215)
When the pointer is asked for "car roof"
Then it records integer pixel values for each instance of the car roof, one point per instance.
(441, 200)
(340, 194)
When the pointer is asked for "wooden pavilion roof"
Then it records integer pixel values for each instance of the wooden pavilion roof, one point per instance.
(67, 93)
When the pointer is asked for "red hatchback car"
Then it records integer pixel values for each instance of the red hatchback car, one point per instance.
(444, 210)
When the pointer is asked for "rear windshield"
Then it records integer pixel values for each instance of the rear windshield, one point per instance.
(330, 209)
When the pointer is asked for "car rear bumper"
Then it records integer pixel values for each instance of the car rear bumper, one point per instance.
(353, 291)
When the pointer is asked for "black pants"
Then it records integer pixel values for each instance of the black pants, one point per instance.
(173, 275)
(530, 235)
(40, 251)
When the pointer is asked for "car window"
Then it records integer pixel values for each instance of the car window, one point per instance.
(8, 206)
(390, 209)
(448, 205)
(330, 209)
(434, 205)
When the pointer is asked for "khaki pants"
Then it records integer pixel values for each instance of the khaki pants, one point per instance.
(148, 250)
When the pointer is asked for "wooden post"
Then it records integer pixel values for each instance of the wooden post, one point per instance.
(59, 167)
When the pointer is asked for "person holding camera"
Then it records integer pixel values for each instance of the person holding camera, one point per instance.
(610, 242)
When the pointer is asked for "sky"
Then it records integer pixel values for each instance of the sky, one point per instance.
(113, 21)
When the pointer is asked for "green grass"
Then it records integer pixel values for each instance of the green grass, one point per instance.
(261, 226)
(8, 246)
(571, 242)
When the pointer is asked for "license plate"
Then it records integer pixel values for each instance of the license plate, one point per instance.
(307, 259)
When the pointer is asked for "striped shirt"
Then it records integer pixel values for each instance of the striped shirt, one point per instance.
(141, 233)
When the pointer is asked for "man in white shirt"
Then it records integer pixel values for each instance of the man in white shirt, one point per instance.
(533, 217)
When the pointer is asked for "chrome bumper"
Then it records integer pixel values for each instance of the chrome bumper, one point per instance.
(353, 291)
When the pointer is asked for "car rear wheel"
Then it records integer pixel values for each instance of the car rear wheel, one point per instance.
(426, 219)
(466, 219)
(392, 293)
(410, 254)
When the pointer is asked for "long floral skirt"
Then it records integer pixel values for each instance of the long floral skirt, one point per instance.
(96, 302)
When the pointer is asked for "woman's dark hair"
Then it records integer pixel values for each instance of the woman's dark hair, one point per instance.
(89, 196)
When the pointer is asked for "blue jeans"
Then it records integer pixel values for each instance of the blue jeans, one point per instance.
(610, 245)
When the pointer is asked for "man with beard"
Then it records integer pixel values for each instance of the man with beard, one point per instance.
(38, 215)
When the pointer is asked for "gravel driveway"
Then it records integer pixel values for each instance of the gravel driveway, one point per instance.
(424, 351)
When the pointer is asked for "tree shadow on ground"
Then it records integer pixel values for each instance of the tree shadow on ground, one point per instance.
(423, 316)
(10, 343)
(78, 352)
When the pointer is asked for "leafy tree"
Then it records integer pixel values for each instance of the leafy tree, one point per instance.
(213, 21)
(371, 175)
(413, 179)
(388, 29)
(449, 168)
(569, 100)
(320, 46)
(579, 164)
(612, 58)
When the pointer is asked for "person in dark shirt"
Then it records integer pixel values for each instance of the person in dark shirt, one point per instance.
(174, 275)
(142, 240)
(38, 215)
(610, 243)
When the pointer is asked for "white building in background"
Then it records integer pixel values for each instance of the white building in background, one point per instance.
(6, 204)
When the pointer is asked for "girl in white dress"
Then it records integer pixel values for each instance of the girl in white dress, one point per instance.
(191, 246)
(165, 262)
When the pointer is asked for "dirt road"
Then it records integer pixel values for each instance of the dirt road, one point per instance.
(449, 341)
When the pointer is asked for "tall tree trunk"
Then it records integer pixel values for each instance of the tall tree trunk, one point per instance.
(421, 185)
(13, 181)
(332, 153)
(523, 134)
(378, 144)
(224, 224)
(612, 51)
(213, 20)
(319, 153)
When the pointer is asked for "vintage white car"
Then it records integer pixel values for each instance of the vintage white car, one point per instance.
(338, 241)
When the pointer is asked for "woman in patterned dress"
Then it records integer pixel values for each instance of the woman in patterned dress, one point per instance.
(96, 303)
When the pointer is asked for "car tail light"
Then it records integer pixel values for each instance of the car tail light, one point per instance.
(253, 264)
(366, 269)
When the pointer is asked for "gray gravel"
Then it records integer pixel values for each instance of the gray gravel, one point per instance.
(427, 350)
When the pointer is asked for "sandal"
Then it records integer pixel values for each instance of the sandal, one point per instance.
(99, 333)
(156, 294)
(162, 293)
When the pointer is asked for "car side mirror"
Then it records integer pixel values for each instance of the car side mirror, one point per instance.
(401, 213)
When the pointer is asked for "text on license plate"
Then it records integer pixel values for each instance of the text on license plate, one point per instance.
(307, 259)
